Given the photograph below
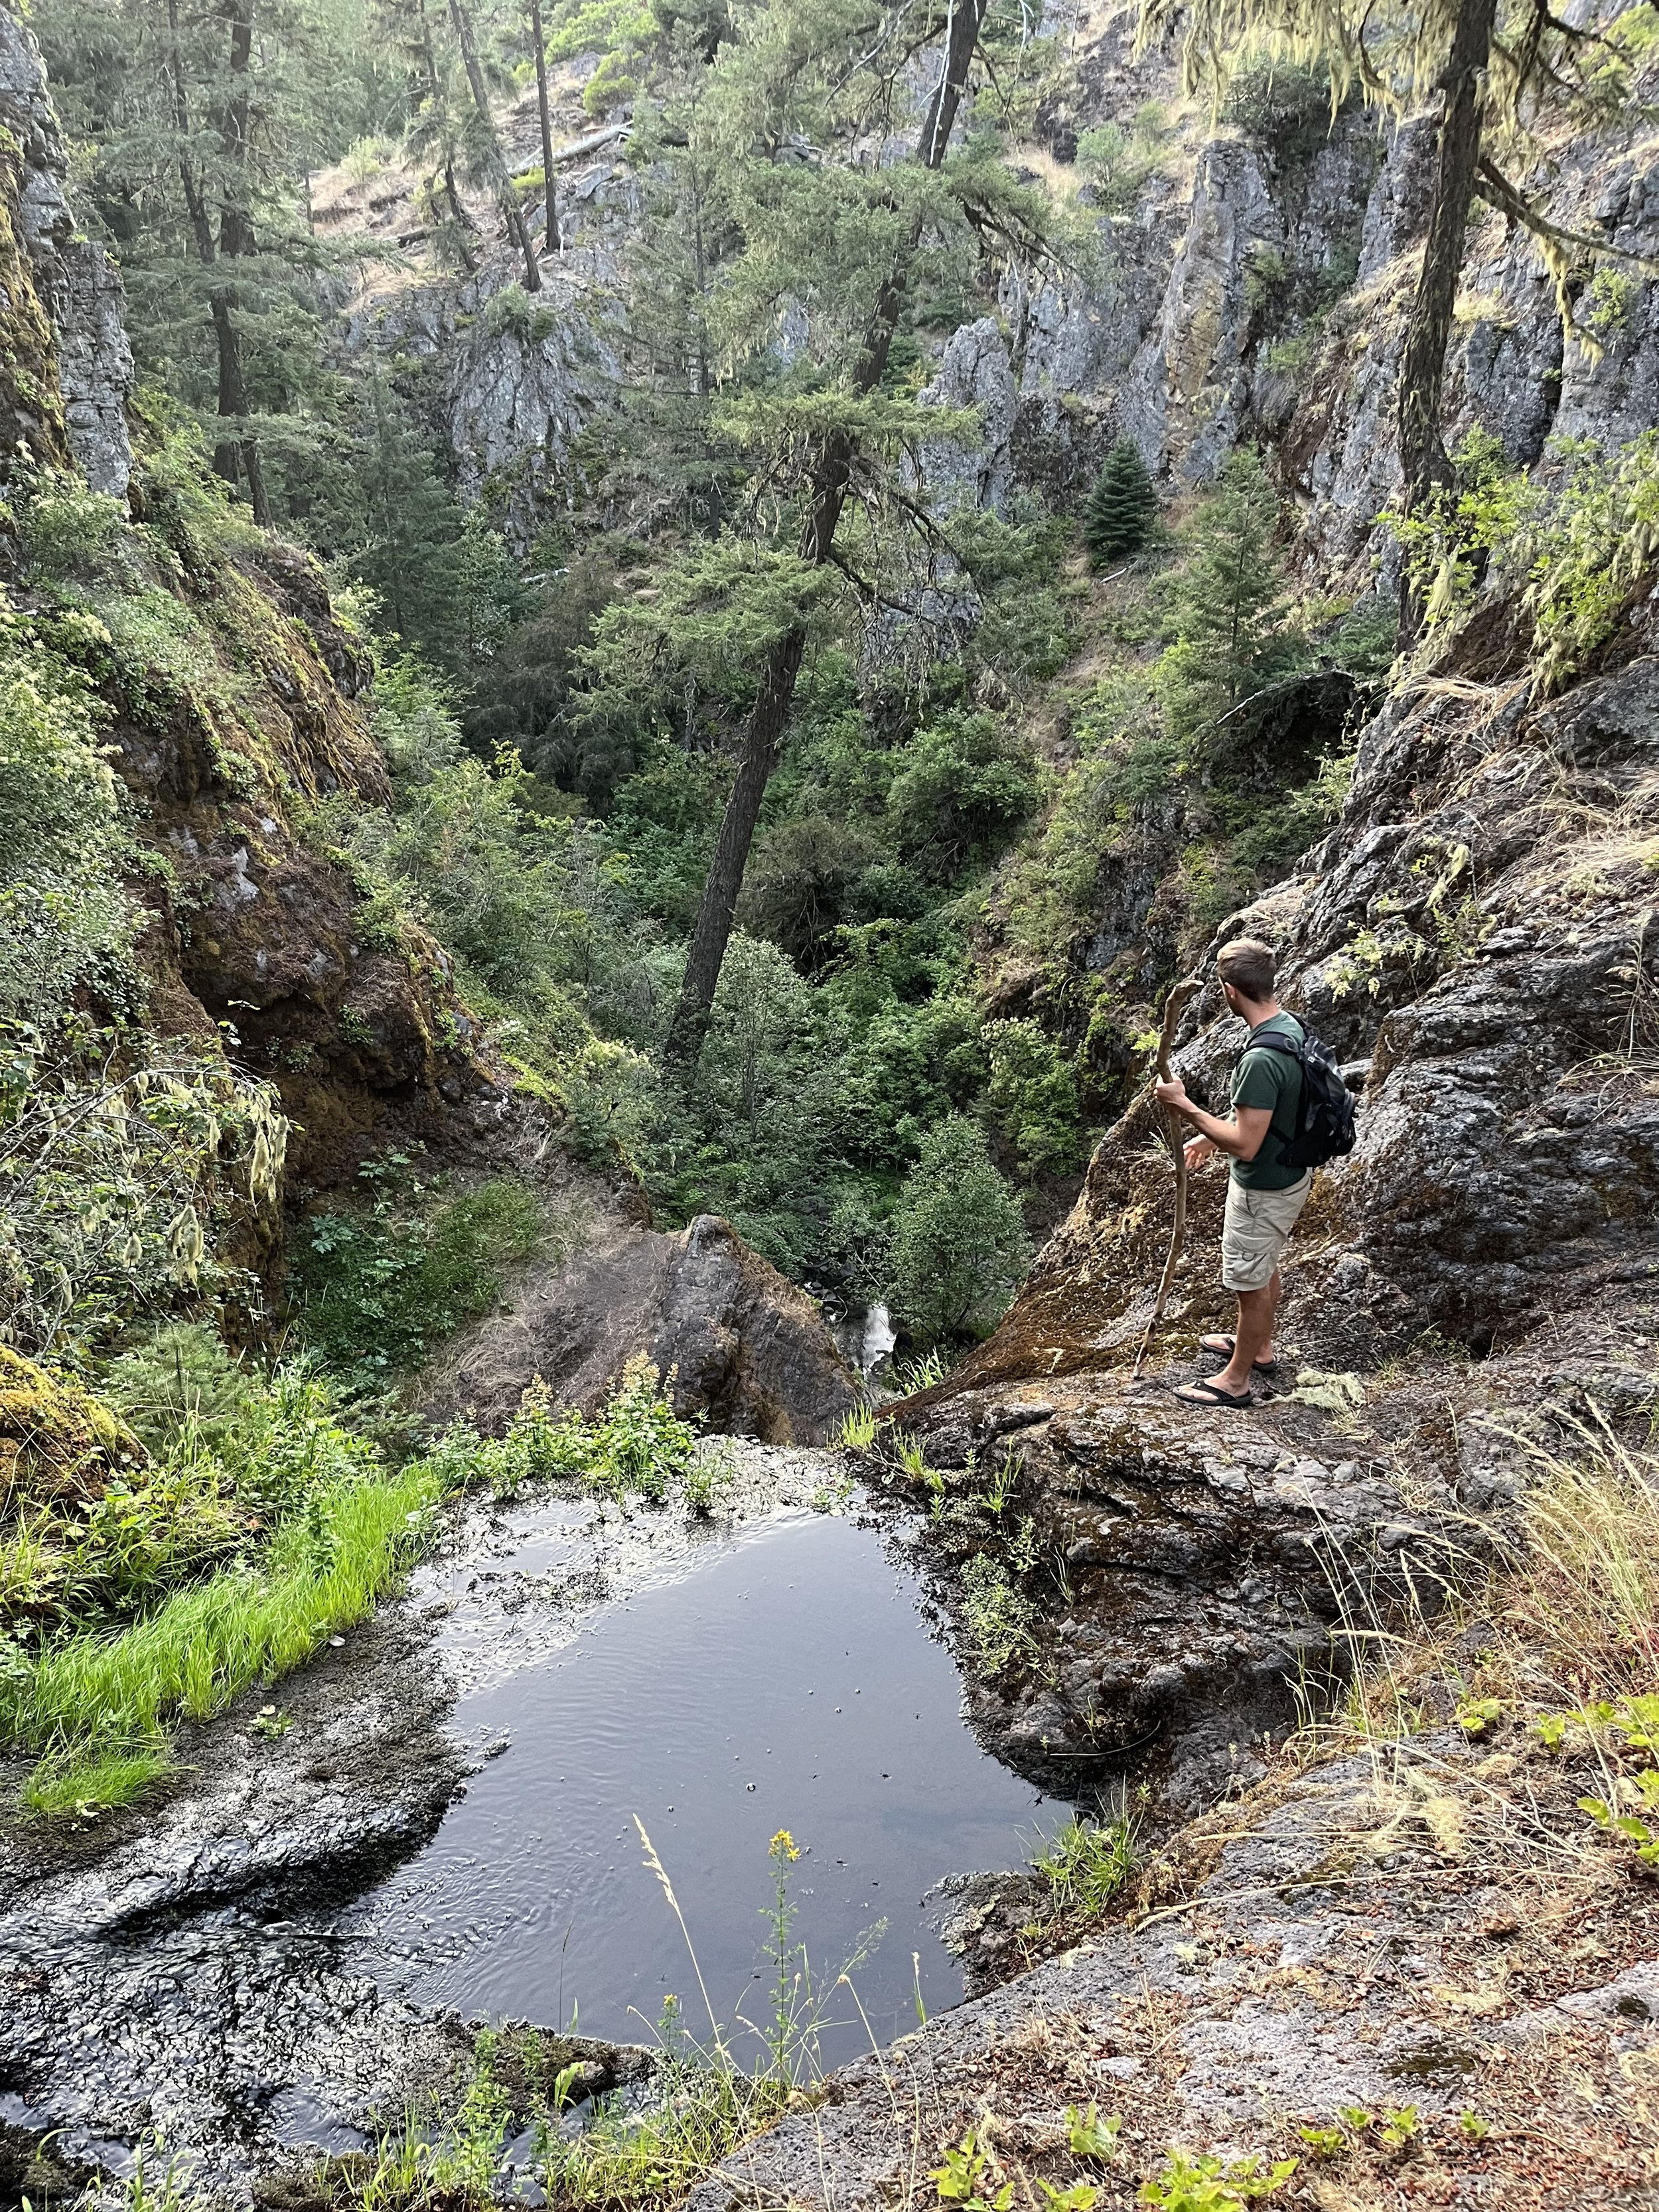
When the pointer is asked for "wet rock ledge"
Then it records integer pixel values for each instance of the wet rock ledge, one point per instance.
(1189, 1591)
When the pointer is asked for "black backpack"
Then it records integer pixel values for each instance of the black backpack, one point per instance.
(1325, 1111)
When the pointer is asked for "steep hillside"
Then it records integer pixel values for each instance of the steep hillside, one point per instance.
(234, 943)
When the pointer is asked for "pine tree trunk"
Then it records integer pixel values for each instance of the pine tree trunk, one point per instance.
(550, 216)
(769, 716)
(1423, 466)
(235, 240)
(504, 191)
(230, 454)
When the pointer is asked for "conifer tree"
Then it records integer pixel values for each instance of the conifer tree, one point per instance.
(1121, 507)
(821, 445)
(491, 161)
(1230, 630)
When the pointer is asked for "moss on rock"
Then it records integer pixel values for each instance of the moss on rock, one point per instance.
(56, 1439)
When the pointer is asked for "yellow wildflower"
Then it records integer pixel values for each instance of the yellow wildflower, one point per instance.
(783, 1846)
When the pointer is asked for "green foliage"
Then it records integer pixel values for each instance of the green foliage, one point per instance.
(1448, 542)
(376, 1287)
(114, 1179)
(801, 885)
(1580, 541)
(65, 922)
(1115, 163)
(959, 1244)
(386, 519)
(968, 2179)
(1122, 507)
(1606, 308)
(1224, 606)
(1087, 2135)
(1032, 1095)
(1209, 2183)
(1287, 104)
(1083, 1866)
(1631, 1814)
(89, 1697)
(962, 784)
(638, 1447)
(260, 1526)
(755, 1137)
(999, 1619)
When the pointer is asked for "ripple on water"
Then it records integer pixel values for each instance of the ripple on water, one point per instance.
(785, 1680)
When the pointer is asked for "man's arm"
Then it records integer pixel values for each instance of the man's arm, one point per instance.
(1241, 1136)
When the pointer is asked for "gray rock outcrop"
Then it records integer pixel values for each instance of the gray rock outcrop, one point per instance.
(737, 1345)
(81, 292)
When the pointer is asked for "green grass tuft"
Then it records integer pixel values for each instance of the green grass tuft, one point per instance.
(86, 1781)
(90, 1693)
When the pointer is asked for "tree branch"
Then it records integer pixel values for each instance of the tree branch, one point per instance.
(1511, 202)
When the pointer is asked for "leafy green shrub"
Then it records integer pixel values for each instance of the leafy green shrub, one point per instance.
(69, 532)
(376, 1287)
(915, 1065)
(113, 1178)
(1116, 163)
(511, 312)
(1286, 105)
(798, 886)
(959, 1243)
(1206, 2182)
(1581, 542)
(964, 781)
(754, 1139)
(637, 1447)
(1122, 507)
(1083, 1866)
(65, 920)
(1032, 1095)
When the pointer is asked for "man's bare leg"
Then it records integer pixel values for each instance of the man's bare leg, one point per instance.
(1253, 1338)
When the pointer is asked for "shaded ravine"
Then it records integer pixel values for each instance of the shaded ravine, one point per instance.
(296, 1945)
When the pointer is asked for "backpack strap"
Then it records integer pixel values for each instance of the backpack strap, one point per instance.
(1296, 1046)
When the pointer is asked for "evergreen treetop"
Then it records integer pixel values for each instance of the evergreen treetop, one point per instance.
(1123, 507)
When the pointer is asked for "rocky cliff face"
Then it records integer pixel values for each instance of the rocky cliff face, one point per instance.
(1475, 940)
(62, 295)
(1256, 292)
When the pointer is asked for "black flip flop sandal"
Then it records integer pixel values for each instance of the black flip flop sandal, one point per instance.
(1223, 1347)
(1206, 1394)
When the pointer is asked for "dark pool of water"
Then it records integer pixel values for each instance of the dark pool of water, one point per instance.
(786, 1680)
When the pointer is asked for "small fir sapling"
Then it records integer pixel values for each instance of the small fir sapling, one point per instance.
(1123, 507)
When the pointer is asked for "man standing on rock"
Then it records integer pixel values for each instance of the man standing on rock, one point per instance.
(1264, 1194)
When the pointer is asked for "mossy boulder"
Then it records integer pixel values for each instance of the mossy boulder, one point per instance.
(56, 1439)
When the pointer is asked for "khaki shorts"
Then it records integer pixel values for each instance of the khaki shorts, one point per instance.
(1254, 1233)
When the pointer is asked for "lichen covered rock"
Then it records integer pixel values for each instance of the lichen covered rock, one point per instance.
(57, 1440)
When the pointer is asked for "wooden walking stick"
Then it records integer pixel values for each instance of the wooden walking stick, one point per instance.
(1174, 1006)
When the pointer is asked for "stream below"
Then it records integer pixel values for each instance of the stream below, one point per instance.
(781, 1677)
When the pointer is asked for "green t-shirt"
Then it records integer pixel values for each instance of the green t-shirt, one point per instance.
(1265, 1078)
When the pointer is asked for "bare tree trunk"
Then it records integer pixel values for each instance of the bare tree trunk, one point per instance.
(230, 454)
(1423, 466)
(504, 191)
(769, 716)
(550, 214)
(236, 239)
